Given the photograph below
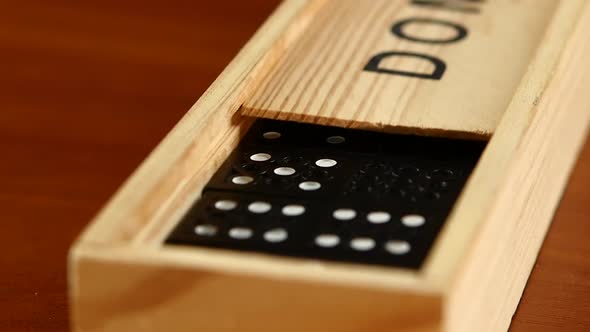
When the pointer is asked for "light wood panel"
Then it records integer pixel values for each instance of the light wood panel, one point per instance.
(134, 293)
(535, 148)
(321, 79)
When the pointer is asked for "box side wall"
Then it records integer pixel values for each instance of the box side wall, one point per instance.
(113, 296)
(489, 285)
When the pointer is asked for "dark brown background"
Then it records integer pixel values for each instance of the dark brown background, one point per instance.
(88, 88)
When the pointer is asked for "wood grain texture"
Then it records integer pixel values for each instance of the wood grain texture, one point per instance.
(321, 78)
(530, 146)
(103, 95)
(226, 302)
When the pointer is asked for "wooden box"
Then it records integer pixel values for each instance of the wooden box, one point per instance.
(511, 72)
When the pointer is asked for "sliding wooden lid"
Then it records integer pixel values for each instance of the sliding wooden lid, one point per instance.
(446, 68)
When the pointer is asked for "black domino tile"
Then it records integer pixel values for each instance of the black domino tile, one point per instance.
(395, 175)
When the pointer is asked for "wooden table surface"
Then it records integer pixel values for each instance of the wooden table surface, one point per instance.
(88, 88)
